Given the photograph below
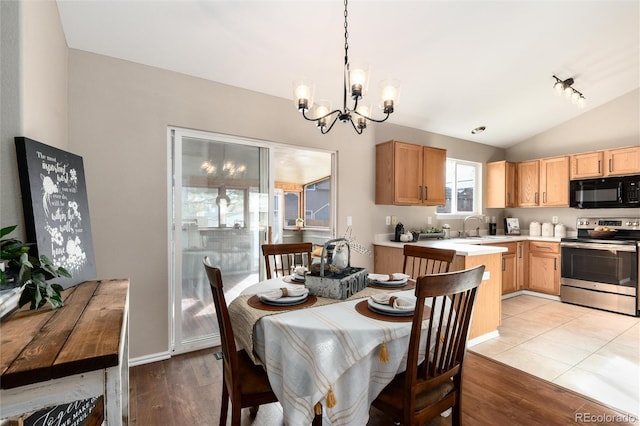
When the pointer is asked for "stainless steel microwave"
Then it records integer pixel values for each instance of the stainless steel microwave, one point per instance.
(605, 193)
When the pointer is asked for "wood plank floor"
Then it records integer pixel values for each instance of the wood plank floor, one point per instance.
(185, 390)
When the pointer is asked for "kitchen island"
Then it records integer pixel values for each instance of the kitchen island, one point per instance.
(388, 258)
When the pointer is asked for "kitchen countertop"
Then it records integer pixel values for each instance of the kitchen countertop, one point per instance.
(473, 246)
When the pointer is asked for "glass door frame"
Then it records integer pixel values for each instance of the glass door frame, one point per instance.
(174, 263)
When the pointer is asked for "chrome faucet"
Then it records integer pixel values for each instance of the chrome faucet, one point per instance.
(479, 218)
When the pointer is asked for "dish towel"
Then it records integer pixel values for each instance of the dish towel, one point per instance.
(398, 303)
(277, 293)
(397, 276)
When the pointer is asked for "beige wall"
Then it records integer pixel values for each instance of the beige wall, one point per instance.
(119, 114)
(34, 91)
(612, 125)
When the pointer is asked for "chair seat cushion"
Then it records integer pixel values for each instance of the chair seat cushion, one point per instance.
(253, 378)
(393, 394)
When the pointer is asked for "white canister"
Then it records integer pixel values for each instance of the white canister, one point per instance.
(560, 231)
(534, 229)
(547, 229)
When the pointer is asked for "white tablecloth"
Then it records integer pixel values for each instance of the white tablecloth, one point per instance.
(308, 351)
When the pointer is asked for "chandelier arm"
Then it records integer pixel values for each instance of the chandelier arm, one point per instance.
(358, 131)
(322, 129)
(373, 119)
(320, 118)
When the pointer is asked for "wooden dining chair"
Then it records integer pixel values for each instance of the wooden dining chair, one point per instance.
(419, 260)
(432, 385)
(279, 258)
(245, 383)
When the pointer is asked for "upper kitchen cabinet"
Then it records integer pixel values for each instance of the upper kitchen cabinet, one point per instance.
(623, 161)
(501, 185)
(528, 179)
(409, 174)
(543, 183)
(613, 162)
(554, 182)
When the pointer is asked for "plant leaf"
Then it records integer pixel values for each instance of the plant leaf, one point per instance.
(7, 230)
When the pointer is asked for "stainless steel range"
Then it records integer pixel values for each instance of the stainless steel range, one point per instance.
(600, 267)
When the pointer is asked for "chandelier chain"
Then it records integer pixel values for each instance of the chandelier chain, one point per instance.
(346, 31)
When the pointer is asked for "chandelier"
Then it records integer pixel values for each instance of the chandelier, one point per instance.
(564, 87)
(356, 80)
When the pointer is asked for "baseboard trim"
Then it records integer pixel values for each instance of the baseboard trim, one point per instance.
(147, 359)
(477, 340)
(531, 293)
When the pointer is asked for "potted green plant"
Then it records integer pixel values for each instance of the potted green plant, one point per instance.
(29, 272)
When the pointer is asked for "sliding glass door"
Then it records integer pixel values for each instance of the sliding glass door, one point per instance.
(220, 203)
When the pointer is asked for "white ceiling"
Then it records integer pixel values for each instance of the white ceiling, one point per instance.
(462, 64)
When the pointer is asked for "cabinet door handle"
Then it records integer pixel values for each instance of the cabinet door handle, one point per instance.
(555, 263)
(599, 167)
(544, 197)
(520, 252)
(426, 193)
(610, 165)
(420, 192)
(508, 198)
(535, 198)
(504, 268)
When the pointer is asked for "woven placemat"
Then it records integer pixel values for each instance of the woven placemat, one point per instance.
(410, 285)
(255, 302)
(363, 308)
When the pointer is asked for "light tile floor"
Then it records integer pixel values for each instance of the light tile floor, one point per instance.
(592, 352)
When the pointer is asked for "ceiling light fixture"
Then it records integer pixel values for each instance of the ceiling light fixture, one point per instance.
(564, 87)
(478, 130)
(355, 83)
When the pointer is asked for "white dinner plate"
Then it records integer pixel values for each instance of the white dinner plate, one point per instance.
(284, 301)
(388, 309)
(391, 283)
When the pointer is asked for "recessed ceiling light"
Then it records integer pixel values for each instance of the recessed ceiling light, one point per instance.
(478, 130)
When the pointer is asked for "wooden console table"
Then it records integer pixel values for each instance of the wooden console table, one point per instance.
(54, 357)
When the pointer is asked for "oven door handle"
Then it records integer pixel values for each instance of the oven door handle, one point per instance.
(596, 246)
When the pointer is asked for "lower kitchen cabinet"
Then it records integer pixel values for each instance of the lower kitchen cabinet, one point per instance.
(544, 267)
(513, 266)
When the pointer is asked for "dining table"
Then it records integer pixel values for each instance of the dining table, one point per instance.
(324, 356)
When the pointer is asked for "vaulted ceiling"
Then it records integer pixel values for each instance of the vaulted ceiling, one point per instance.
(462, 64)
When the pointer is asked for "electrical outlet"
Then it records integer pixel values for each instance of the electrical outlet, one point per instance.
(394, 220)
(428, 220)
(554, 219)
(387, 220)
(349, 220)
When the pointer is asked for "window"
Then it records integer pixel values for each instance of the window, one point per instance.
(291, 208)
(463, 180)
(317, 206)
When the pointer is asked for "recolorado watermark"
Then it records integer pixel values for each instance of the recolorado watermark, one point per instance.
(604, 418)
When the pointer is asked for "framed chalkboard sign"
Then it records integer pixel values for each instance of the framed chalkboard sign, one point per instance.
(56, 211)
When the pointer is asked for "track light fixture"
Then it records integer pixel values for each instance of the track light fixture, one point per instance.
(355, 85)
(563, 87)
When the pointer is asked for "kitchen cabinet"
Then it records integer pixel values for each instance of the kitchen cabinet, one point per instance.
(544, 267)
(623, 161)
(409, 174)
(527, 177)
(513, 266)
(543, 183)
(501, 185)
(587, 165)
(554, 182)
(487, 313)
(612, 162)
